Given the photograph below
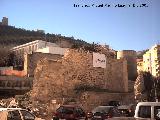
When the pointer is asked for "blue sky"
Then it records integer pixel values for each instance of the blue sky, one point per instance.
(126, 28)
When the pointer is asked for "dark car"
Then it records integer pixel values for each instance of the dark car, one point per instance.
(127, 110)
(69, 112)
(103, 112)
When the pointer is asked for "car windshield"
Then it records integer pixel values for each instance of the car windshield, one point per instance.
(101, 109)
(66, 110)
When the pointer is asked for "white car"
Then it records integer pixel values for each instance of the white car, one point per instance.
(148, 110)
(3, 109)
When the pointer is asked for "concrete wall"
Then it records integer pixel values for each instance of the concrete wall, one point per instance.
(53, 50)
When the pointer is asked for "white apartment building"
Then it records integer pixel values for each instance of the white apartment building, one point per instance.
(33, 46)
(151, 60)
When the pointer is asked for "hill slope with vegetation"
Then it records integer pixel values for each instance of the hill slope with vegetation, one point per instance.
(10, 35)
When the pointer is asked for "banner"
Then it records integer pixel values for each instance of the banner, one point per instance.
(99, 60)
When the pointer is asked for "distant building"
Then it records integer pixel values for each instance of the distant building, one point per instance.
(40, 31)
(130, 56)
(4, 21)
(151, 61)
(33, 46)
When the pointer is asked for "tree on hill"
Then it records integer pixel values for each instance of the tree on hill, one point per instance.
(6, 55)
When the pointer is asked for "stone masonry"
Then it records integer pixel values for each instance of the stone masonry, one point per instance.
(30, 60)
(68, 78)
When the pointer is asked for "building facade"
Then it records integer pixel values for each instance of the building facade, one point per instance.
(53, 50)
(151, 61)
(33, 46)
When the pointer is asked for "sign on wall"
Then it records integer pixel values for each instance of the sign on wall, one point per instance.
(99, 60)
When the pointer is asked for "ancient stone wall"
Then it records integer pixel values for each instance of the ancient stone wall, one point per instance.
(76, 72)
(68, 78)
(130, 56)
(30, 60)
(118, 76)
(88, 100)
(80, 66)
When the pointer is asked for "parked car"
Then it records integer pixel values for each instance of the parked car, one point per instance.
(148, 110)
(127, 110)
(17, 114)
(69, 112)
(114, 103)
(145, 111)
(103, 112)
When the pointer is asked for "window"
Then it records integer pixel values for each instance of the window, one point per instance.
(27, 115)
(144, 112)
(14, 115)
(157, 112)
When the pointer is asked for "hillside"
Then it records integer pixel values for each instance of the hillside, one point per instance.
(10, 35)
